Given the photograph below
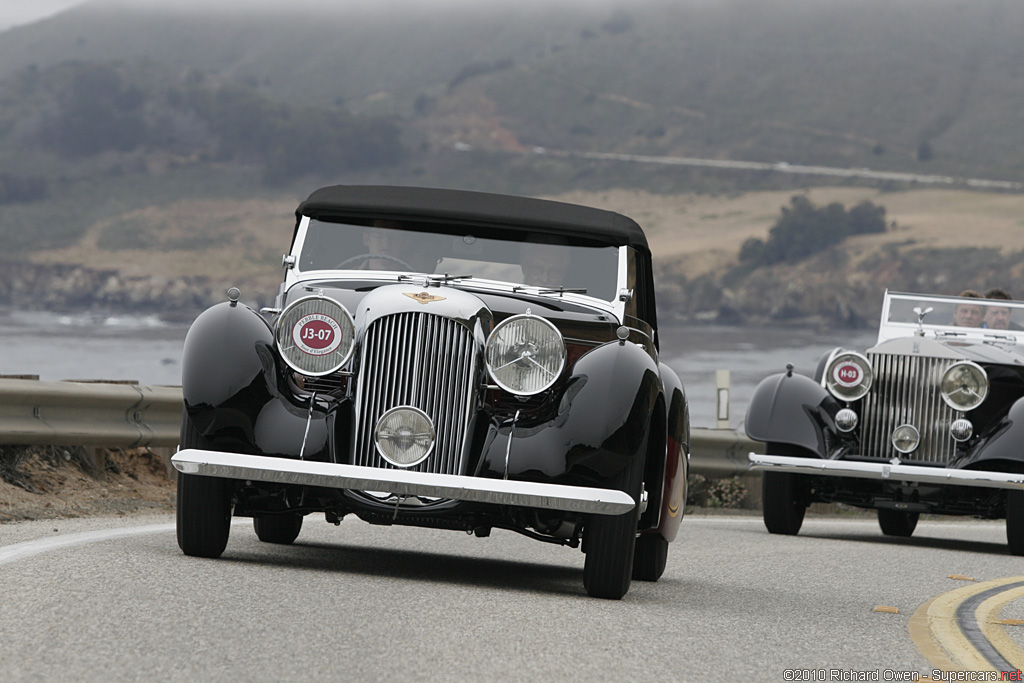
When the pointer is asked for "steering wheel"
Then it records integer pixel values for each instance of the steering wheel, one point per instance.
(359, 258)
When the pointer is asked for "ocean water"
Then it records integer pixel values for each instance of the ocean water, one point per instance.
(91, 346)
(145, 349)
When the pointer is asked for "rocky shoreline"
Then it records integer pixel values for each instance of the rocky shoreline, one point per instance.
(827, 291)
(61, 288)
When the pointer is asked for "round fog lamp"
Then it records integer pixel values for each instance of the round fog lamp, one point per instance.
(906, 438)
(961, 429)
(404, 436)
(846, 420)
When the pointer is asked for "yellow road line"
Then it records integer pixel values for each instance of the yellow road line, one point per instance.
(987, 614)
(937, 634)
(920, 632)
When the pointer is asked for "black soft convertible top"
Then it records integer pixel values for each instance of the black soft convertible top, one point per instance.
(460, 207)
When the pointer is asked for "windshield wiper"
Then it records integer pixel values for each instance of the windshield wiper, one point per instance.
(447, 278)
(559, 291)
(434, 279)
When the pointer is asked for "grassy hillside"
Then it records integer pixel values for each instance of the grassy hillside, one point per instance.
(175, 143)
(845, 82)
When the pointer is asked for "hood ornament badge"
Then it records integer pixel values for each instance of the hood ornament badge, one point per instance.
(423, 297)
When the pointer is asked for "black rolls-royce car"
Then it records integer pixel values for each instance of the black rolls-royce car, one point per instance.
(447, 359)
(929, 420)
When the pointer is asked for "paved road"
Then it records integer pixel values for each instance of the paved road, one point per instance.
(803, 169)
(357, 602)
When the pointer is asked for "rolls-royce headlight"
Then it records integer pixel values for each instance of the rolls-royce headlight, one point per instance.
(906, 438)
(525, 354)
(846, 420)
(964, 385)
(315, 335)
(848, 376)
(961, 430)
(404, 436)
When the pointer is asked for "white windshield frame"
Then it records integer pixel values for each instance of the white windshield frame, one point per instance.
(899, 320)
(616, 305)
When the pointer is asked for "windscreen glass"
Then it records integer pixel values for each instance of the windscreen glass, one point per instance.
(537, 260)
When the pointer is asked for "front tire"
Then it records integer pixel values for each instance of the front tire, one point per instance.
(204, 504)
(781, 503)
(610, 539)
(282, 528)
(1015, 522)
(650, 557)
(898, 523)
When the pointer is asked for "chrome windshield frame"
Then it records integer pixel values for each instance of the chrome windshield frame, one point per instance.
(294, 276)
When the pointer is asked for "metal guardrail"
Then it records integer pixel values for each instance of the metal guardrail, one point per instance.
(131, 416)
(88, 414)
(720, 452)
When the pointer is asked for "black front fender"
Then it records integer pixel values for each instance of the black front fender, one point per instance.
(602, 422)
(229, 382)
(792, 409)
(1000, 448)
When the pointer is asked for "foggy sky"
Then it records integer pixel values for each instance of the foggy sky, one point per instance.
(20, 12)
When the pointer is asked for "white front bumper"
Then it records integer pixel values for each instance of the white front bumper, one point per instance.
(402, 482)
(895, 473)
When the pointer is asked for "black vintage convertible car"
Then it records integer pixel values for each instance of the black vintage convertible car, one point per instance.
(929, 420)
(446, 359)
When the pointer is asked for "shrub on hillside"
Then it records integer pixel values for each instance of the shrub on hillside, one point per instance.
(804, 229)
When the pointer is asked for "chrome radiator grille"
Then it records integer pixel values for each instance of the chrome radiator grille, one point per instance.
(421, 360)
(906, 391)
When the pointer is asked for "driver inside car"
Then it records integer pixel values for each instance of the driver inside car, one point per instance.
(387, 239)
(545, 264)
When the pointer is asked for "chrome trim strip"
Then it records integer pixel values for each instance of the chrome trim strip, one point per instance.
(898, 473)
(402, 482)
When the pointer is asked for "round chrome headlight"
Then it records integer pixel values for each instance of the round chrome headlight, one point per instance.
(404, 436)
(525, 354)
(846, 420)
(964, 385)
(848, 376)
(961, 429)
(906, 438)
(315, 335)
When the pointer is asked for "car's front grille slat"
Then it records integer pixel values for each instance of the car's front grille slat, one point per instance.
(907, 391)
(421, 360)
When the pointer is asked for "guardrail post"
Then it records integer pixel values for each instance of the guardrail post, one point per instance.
(722, 398)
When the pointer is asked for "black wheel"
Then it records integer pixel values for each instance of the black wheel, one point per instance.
(204, 504)
(1015, 521)
(781, 502)
(898, 522)
(609, 540)
(283, 528)
(650, 557)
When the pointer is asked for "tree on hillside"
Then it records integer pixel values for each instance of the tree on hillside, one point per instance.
(97, 113)
(98, 108)
(804, 229)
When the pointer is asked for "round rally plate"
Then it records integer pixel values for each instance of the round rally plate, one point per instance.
(317, 334)
(847, 374)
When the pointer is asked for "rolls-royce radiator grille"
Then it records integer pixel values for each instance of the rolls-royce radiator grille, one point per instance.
(421, 360)
(906, 391)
